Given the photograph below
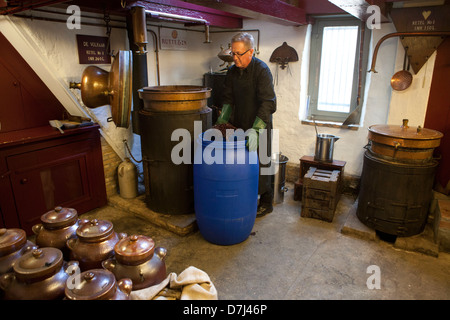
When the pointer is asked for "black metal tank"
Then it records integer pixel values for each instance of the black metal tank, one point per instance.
(397, 179)
(169, 186)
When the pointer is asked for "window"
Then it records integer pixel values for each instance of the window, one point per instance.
(337, 68)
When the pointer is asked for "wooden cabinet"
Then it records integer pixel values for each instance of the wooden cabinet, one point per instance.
(40, 168)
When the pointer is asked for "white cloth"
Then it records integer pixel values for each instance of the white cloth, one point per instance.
(191, 284)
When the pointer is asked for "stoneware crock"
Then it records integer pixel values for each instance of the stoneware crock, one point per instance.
(13, 245)
(57, 227)
(38, 275)
(99, 284)
(136, 257)
(94, 243)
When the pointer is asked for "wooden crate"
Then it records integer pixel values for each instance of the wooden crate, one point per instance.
(320, 194)
(308, 161)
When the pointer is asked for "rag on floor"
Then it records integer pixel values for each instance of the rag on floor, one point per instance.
(191, 284)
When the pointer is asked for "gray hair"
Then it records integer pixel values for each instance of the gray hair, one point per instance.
(246, 38)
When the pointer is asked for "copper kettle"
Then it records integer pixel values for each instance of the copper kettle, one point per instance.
(225, 55)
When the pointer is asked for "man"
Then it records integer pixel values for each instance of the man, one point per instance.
(248, 102)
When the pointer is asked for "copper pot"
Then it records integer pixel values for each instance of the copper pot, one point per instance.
(403, 143)
(94, 243)
(13, 245)
(137, 258)
(57, 227)
(38, 275)
(99, 284)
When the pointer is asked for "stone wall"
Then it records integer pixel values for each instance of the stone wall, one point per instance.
(110, 163)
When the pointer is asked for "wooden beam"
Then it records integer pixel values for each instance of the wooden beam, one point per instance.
(358, 8)
(215, 18)
(272, 10)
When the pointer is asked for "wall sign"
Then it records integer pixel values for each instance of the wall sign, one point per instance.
(422, 19)
(92, 50)
(173, 39)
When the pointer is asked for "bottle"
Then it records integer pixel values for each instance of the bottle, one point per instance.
(128, 184)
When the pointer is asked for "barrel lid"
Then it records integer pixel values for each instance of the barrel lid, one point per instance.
(405, 132)
(175, 93)
(176, 89)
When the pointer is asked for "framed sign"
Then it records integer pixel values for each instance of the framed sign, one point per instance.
(92, 49)
(173, 39)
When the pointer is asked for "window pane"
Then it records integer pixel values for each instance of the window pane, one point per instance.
(336, 68)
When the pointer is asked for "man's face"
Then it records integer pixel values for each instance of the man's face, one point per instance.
(241, 55)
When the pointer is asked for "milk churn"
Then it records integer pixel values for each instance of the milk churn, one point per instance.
(128, 185)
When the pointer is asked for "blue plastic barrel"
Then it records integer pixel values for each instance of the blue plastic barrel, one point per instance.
(225, 190)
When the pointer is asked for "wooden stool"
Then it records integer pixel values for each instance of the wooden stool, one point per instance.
(320, 194)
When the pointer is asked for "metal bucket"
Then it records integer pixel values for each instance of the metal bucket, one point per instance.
(279, 178)
(325, 147)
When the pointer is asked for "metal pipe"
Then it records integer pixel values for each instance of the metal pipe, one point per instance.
(155, 42)
(402, 34)
(157, 14)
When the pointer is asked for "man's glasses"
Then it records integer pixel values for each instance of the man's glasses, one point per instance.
(239, 54)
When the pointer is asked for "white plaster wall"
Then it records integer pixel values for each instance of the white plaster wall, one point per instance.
(57, 47)
(297, 139)
(53, 47)
(411, 103)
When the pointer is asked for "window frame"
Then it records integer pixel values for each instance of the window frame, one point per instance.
(315, 62)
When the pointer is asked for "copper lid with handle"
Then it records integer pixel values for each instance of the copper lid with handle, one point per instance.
(405, 136)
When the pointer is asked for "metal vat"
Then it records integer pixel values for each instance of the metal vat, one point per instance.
(397, 178)
(169, 186)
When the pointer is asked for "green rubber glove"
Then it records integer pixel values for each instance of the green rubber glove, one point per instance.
(225, 114)
(253, 135)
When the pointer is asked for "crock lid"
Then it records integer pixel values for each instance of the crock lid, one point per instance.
(38, 264)
(94, 284)
(59, 218)
(11, 240)
(134, 249)
(94, 230)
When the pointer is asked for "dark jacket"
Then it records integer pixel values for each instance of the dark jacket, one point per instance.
(250, 92)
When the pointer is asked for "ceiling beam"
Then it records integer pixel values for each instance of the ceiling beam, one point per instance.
(358, 8)
(270, 10)
(214, 17)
